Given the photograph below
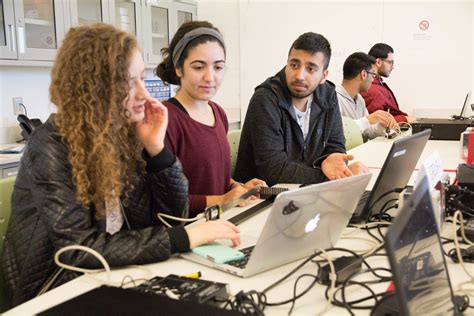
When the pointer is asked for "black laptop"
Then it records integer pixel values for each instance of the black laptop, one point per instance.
(394, 175)
(420, 275)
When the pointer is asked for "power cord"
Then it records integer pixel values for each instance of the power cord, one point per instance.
(181, 219)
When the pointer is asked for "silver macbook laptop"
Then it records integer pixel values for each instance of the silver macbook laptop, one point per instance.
(300, 222)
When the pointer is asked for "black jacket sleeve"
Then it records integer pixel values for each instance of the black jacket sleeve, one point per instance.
(68, 222)
(273, 160)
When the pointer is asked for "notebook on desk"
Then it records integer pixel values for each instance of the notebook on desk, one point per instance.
(393, 177)
(300, 222)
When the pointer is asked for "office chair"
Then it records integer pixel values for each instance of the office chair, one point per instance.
(234, 139)
(6, 189)
(352, 133)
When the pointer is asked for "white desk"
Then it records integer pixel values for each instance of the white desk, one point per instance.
(9, 163)
(312, 303)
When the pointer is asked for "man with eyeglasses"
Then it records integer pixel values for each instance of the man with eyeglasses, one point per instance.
(379, 96)
(358, 73)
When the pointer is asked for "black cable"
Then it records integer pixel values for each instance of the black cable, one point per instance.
(349, 305)
(396, 190)
(291, 272)
(249, 303)
(295, 297)
(294, 290)
(372, 235)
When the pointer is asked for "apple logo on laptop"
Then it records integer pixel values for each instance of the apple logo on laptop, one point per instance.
(312, 224)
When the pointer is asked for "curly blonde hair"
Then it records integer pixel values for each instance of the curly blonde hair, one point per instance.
(90, 86)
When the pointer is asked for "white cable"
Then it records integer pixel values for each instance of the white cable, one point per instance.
(456, 243)
(87, 271)
(181, 219)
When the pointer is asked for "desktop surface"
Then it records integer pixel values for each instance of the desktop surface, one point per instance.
(313, 302)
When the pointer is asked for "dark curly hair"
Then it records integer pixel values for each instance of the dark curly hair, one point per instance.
(90, 86)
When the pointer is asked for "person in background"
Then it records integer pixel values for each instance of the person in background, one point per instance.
(97, 172)
(379, 96)
(197, 130)
(293, 131)
(358, 73)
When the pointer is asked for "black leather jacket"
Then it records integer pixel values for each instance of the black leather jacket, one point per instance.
(46, 217)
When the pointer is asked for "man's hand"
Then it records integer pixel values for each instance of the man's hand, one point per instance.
(334, 166)
(383, 118)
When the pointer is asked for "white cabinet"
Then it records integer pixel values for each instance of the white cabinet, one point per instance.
(161, 21)
(31, 29)
(84, 12)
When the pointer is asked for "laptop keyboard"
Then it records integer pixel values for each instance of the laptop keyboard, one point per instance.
(242, 263)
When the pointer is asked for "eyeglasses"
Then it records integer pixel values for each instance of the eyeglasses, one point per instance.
(391, 62)
(372, 73)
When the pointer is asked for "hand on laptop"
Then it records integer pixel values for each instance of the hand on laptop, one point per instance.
(209, 231)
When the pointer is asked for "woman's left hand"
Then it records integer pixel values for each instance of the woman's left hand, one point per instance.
(152, 130)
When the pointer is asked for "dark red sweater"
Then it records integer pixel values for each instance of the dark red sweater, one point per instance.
(203, 151)
(380, 97)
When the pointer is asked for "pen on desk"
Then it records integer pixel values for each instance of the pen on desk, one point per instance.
(194, 275)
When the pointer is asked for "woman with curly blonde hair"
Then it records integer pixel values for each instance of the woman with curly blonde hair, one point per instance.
(97, 172)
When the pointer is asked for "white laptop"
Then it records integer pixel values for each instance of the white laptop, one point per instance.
(300, 222)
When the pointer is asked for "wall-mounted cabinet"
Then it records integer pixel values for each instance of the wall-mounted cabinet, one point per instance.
(162, 20)
(31, 29)
(84, 12)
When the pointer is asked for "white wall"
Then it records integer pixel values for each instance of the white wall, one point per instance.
(433, 70)
(30, 83)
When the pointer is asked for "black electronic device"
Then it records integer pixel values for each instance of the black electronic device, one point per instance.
(461, 115)
(107, 300)
(186, 289)
(465, 175)
(413, 245)
(27, 125)
(345, 267)
(442, 129)
(393, 177)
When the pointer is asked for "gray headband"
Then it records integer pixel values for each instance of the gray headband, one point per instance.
(188, 37)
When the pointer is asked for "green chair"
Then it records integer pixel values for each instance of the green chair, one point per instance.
(234, 139)
(6, 189)
(352, 133)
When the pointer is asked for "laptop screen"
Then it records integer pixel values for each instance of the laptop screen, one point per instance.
(419, 269)
(395, 173)
(467, 100)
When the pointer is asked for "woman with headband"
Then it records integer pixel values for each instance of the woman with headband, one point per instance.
(98, 171)
(197, 130)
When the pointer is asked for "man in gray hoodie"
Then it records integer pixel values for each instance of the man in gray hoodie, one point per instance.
(293, 131)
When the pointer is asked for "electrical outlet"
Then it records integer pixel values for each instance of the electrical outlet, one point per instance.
(17, 105)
